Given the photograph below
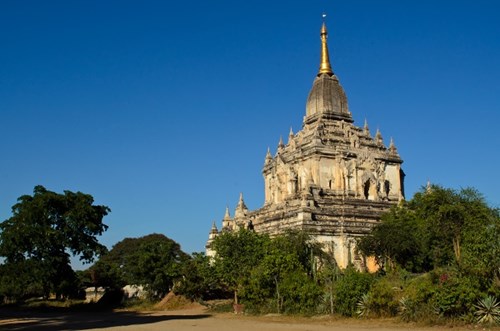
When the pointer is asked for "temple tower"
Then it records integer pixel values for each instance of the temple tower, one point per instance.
(331, 179)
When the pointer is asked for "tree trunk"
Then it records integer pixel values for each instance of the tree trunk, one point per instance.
(456, 248)
(278, 294)
(331, 299)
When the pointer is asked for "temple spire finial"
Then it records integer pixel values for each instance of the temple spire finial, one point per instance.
(280, 143)
(241, 208)
(241, 203)
(227, 215)
(378, 138)
(290, 135)
(268, 154)
(214, 228)
(324, 66)
(392, 147)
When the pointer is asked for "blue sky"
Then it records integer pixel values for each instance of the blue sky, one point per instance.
(164, 110)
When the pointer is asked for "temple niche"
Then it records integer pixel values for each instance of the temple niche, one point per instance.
(331, 179)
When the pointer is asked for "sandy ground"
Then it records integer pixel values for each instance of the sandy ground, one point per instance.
(194, 319)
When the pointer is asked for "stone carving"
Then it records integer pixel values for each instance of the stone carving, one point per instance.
(331, 179)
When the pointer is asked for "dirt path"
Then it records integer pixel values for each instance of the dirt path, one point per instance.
(194, 319)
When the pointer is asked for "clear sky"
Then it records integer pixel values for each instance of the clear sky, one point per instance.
(164, 110)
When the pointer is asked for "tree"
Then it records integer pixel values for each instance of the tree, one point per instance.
(329, 274)
(349, 289)
(44, 230)
(154, 261)
(441, 217)
(460, 229)
(157, 265)
(113, 269)
(287, 272)
(200, 280)
(237, 254)
(18, 281)
(480, 251)
(395, 241)
(439, 227)
(277, 274)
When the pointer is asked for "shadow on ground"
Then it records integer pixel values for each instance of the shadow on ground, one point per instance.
(26, 320)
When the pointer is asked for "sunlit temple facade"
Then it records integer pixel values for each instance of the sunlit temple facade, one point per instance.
(332, 179)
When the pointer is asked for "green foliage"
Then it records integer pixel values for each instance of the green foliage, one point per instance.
(237, 255)
(384, 297)
(270, 275)
(349, 289)
(40, 236)
(460, 229)
(300, 245)
(488, 310)
(454, 294)
(260, 294)
(442, 293)
(407, 309)
(300, 294)
(19, 282)
(290, 292)
(287, 257)
(441, 217)
(394, 242)
(153, 261)
(439, 228)
(329, 274)
(157, 265)
(480, 254)
(200, 280)
(363, 306)
(416, 302)
(420, 289)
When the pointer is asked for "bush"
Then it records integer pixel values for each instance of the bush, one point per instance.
(420, 289)
(383, 297)
(455, 295)
(416, 302)
(298, 294)
(258, 294)
(349, 289)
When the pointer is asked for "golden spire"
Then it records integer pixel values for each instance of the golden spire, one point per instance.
(324, 66)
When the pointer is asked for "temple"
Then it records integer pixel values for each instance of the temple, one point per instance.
(332, 179)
